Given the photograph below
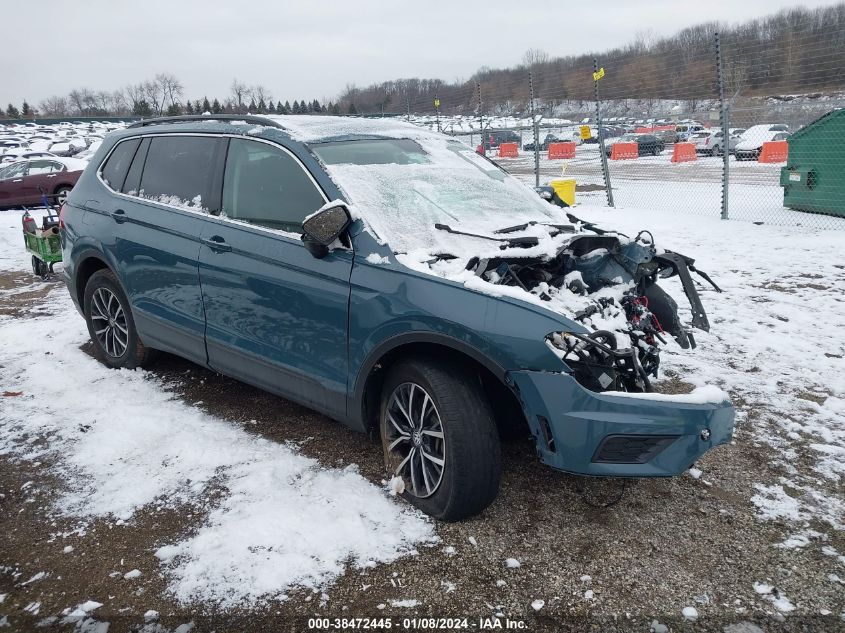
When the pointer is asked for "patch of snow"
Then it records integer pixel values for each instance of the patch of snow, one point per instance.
(657, 627)
(375, 258)
(695, 473)
(285, 520)
(538, 604)
(512, 563)
(404, 604)
(690, 613)
(472, 541)
(68, 549)
(135, 573)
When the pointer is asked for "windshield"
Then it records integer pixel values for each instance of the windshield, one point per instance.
(404, 187)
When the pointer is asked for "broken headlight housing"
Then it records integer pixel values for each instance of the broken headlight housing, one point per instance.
(597, 364)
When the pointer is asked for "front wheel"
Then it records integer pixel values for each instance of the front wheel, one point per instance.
(439, 437)
(110, 323)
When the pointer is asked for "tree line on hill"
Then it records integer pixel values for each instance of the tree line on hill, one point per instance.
(794, 51)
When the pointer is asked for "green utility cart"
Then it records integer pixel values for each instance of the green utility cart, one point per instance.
(814, 177)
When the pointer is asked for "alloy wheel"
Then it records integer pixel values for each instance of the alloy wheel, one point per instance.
(414, 440)
(109, 322)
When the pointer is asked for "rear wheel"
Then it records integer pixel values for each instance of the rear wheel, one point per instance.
(61, 195)
(110, 323)
(438, 435)
(39, 267)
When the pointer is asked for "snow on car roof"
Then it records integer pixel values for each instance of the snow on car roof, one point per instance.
(307, 128)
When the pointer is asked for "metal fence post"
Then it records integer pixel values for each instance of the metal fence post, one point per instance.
(724, 120)
(604, 167)
(535, 128)
(480, 116)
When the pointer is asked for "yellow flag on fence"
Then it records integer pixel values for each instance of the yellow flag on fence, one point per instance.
(598, 74)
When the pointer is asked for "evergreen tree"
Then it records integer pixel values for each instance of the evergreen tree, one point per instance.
(12, 112)
(271, 109)
(252, 106)
(189, 107)
(335, 109)
(351, 109)
(280, 109)
(198, 107)
(316, 106)
(26, 111)
(142, 108)
(288, 109)
(174, 109)
(206, 106)
(215, 107)
(262, 107)
(309, 108)
(296, 109)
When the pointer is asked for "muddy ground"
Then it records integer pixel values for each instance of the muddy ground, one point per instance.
(666, 545)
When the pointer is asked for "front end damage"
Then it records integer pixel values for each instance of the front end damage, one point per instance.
(609, 283)
(597, 416)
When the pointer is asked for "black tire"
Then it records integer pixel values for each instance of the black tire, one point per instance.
(61, 194)
(471, 469)
(123, 349)
(39, 267)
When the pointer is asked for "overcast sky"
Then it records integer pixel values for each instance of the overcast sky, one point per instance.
(306, 49)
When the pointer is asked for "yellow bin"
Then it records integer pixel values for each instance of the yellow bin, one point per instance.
(565, 189)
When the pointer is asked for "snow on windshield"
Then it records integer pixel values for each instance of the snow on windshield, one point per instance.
(446, 183)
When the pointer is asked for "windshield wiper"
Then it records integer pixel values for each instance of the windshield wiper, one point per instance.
(559, 228)
(521, 242)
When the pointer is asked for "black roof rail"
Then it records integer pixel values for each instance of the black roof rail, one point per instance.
(229, 118)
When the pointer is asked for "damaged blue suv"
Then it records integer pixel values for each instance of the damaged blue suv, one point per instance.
(394, 280)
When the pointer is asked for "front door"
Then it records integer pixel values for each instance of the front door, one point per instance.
(275, 316)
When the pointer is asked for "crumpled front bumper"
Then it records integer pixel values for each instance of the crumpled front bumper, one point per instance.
(590, 433)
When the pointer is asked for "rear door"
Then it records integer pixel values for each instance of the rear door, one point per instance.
(163, 189)
(276, 316)
(39, 177)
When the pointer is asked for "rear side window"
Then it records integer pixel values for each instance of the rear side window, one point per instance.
(179, 171)
(115, 168)
(133, 179)
(264, 185)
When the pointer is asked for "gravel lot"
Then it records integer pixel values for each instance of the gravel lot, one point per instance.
(693, 541)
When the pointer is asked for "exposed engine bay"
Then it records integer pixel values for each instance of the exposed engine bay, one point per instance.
(592, 264)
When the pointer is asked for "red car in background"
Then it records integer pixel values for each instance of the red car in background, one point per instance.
(21, 183)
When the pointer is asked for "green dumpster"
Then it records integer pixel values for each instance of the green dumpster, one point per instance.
(814, 177)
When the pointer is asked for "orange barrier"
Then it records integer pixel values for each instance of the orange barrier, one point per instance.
(774, 152)
(621, 151)
(508, 150)
(683, 153)
(561, 150)
(480, 150)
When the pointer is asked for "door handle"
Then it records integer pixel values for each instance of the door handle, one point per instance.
(18, 180)
(51, 175)
(119, 216)
(217, 244)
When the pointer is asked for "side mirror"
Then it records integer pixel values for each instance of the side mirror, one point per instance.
(324, 226)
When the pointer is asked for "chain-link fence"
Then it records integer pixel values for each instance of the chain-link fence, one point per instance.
(744, 124)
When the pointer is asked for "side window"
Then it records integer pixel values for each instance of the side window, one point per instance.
(37, 167)
(115, 168)
(133, 178)
(179, 170)
(15, 170)
(266, 186)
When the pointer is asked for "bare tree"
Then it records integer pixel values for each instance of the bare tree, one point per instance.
(238, 90)
(154, 96)
(534, 56)
(260, 93)
(171, 89)
(54, 106)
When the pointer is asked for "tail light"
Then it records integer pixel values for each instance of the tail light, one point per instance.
(62, 216)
